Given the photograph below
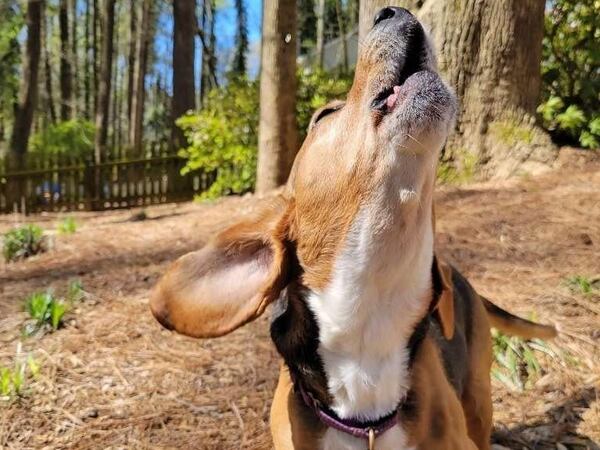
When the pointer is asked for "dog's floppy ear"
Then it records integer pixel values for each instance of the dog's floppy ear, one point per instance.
(442, 276)
(229, 282)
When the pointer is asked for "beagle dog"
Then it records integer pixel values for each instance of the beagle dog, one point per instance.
(383, 344)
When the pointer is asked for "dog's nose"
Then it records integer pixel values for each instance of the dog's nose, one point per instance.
(391, 12)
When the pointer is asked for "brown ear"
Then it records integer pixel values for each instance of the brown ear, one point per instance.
(228, 283)
(445, 289)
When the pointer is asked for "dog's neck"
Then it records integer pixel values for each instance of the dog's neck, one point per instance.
(379, 291)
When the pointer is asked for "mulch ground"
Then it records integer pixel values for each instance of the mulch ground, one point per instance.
(111, 378)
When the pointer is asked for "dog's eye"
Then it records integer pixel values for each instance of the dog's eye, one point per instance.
(325, 112)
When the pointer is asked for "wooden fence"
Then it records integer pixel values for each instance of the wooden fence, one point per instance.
(110, 185)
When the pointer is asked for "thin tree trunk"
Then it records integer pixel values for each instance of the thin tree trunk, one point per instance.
(490, 53)
(87, 63)
(278, 139)
(66, 81)
(75, 58)
(184, 91)
(131, 64)
(103, 103)
(46, 35)
(342, 26)
(28, 91)
(95, 50)
(114, 105)
(139, 91)
(320, 46)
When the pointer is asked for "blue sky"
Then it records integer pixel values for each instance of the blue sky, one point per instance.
(225, 31)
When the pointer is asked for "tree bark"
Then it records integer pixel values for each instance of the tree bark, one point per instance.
(184, 13)
(46, 35)
(139, 91)
(87, 62)
(342, 26)
(490, 53)
(320, 13)
(104, 82)
(133, 39)
(66, 80)
(278, 140)
(368, 9)
(28, 91)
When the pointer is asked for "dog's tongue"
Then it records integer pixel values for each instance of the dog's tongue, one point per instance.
(393, 98)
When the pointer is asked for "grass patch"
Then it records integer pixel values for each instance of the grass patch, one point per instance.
(23, 242)
(517, 364)
(67, 226)
(580, 284)
(47, 311)
(511, 133)
(13, 379)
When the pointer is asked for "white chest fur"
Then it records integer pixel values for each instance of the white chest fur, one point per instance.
(378, 293)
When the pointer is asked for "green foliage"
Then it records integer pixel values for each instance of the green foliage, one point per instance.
(73, 138)
(23, 242)
(570, 107)
(13, 378)
(67, 226)
(223, 136)
(517, 364)
(315, 89)
(10, 27)
(583, 285)
(45, 310)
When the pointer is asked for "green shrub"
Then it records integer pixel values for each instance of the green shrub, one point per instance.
(67, 226)
(570, 108)
(13, 378)
(223, 136)
(23, 242)
(45, 310)
(71, 138)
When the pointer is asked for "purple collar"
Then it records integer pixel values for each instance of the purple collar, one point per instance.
(368, 430)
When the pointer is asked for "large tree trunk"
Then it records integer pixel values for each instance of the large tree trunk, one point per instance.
(66, 80)
(139, 91)
(104, 82)
(490, 53)
(29, 84)
(278, 140)
(368, 9)
(184, 91)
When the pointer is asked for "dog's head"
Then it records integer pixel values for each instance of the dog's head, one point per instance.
(374, 154)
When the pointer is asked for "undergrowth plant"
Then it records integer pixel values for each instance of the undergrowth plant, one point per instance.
(517, 365)
(582, 284)
(13, 378)
(23, 242)
(47, 311)
(67, 226)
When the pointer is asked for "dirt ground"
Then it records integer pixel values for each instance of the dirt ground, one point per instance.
(113, 379)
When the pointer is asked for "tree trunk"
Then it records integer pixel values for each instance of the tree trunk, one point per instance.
(66, 81)
(133, 39)
(342, 26)
(28, 91)
(46, 35)
(368, 9)
(75, 58)
(87, 69)
(139, 91)
(184, 13)
(95, 49)
(490, 53)
(277, 144)
(104, 82)
(320, 32)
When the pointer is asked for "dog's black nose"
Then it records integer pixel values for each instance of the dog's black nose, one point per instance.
(390, 12)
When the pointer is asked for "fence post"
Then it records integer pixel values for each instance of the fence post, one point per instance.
(92, 175)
